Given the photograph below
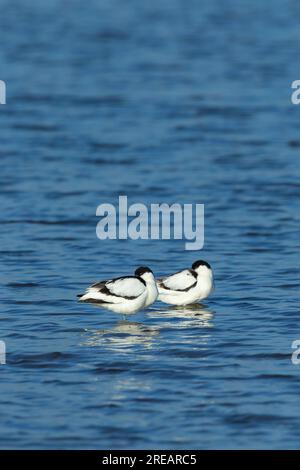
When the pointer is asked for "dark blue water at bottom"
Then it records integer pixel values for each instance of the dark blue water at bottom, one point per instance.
(162, 103)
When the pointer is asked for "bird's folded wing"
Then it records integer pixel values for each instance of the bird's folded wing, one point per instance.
(181, 281)
(126, 287)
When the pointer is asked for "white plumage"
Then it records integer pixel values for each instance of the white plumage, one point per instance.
(182, 280)
(126, 295)
(187, 286)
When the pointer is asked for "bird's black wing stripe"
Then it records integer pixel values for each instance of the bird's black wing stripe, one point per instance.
(102, 287)
(179, 290)
(95, 301)
(193, 273)
(106, 291)
(186, 289)
(98, 284)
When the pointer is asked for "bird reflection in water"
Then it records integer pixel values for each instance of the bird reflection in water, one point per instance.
(127, 334)
(193, 315)
(123, 335)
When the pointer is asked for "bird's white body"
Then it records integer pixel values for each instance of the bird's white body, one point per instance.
(187, 286)
(152, 291)
(125, 295)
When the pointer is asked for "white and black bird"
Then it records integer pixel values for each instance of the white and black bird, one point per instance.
(126, 295)
(187, 286)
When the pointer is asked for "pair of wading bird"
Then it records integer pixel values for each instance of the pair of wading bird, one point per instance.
(129, 294)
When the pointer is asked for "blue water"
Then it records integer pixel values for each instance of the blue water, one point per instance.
(168, 102)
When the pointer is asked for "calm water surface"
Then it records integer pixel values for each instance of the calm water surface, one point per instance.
(163, 103)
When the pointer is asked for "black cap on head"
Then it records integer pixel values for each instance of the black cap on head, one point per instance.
(142, 270)
(200, 263)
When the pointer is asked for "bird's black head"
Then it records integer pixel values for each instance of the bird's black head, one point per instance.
(199, 263)
(142, 270)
